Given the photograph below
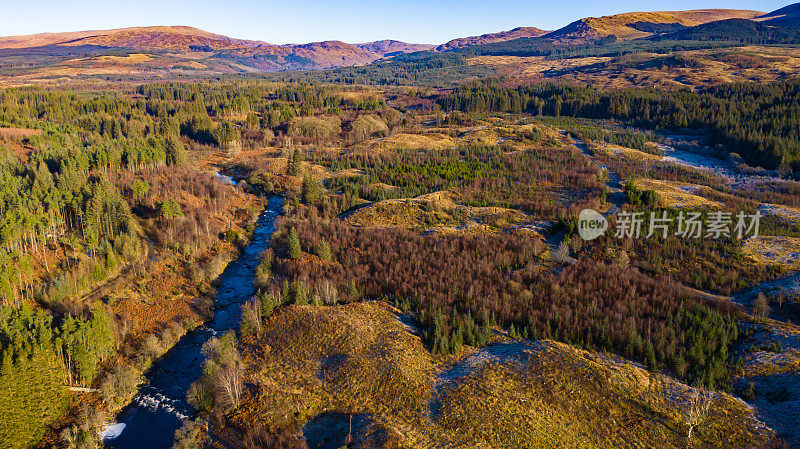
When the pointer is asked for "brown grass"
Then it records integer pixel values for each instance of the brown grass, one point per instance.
(770, 250)
(434, 212)
(401, 141)
(360, 358)
(558, 396)
(677, 194)
(628, 153)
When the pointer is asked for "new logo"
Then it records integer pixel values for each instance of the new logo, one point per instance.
(591, 224)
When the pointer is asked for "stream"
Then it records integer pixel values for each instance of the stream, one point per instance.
(160, 407)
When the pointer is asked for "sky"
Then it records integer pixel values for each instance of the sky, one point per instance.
(353, 21)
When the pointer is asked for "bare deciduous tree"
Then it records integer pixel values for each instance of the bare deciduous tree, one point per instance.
(251, 317)
(229, 384)
(761, 305)
(695, 413)
(328, 292)
(561, 254)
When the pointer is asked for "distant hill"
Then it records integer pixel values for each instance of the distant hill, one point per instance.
(187, 51)
(642, 24)
(188, 48)
(155, 37)
(491, 38)
(788, 16)
(390, 47)
(738, 30)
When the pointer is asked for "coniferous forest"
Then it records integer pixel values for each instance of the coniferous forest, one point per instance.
(753, 120)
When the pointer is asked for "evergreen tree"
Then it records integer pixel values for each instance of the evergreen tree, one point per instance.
(310, 190)
(323, 251)
(293, 168)
(295, 251)
(170, 209)
(175, 151)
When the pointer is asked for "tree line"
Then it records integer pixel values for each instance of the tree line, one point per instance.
(753, 120)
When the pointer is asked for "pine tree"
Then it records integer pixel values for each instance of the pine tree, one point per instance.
(324, 251)
(295, 251)
(169, 209)
(295, 163)
(310, 190)
(175, 151)
(299, 293)
(650, 356)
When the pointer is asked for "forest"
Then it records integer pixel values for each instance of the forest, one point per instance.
(752, 120)
(738, 30)
(86, 177)
(459, 286)
(483, 176)
(419, 69)
(40, 355)
(100, 184)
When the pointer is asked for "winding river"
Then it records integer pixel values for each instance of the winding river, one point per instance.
(160, 407)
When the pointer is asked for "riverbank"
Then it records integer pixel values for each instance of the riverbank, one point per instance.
(152, 310)
(160, 407)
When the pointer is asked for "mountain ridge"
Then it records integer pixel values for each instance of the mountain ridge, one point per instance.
(490, 38)
(185, 49)
(96, 37)
(788, 16)
(244, 54)
(633, 25)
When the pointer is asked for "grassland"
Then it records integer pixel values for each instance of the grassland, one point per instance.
(364, 360)
(774, 249)
(677, 194)
(434, 211)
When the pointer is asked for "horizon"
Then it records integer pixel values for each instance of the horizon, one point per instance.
(352, 21)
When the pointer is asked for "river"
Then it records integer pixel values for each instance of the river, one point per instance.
(160, 407)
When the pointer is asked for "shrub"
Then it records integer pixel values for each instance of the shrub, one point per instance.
(169, 209)
(120, 385)
(367, 126)
(316, 128)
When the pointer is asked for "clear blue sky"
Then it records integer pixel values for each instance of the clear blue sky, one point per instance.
(301, 21)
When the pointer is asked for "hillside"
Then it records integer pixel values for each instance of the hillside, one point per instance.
(155, 37)
(738, 30)
(642, 24)
(168, 49)
(788, 16)
(314, 366)
(315, 55)
(389, 47)
(422, 284)
(180, 51)
(502, 36)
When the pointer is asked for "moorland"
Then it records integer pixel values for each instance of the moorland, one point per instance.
(424, 281)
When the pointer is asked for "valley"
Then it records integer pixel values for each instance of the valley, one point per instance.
(585, 236)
